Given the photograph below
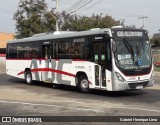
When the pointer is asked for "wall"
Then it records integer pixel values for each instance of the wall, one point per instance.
(2, 65)
(4, 37)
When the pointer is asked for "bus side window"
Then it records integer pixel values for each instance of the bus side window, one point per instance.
(14, 50)
(54, 50)
(74, 50)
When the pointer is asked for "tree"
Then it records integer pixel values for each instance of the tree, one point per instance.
(80, 23)
(155, 39)
(32, 17)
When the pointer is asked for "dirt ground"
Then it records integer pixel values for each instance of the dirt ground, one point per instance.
(157, 74)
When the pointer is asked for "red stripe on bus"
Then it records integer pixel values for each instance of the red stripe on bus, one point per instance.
(20, 73)
(20, 59)
(2, 55)
(49, 70)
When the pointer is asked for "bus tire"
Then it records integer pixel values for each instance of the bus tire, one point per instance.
(83, 84)
(28, 78)
(54, 86)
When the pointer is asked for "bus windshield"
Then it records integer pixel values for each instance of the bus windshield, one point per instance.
(133, 53)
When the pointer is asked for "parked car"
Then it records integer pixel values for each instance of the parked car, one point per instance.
(157, 64)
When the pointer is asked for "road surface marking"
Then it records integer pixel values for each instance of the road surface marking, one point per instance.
(47, 105)
(84, 109)
(130, 108)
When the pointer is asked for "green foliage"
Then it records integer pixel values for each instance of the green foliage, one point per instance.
(80, 23)
(156, 68)
(32, 18)
(155, 39)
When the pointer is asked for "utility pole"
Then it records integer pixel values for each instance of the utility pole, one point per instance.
(57, 14)
(143, 17)
(57, 11)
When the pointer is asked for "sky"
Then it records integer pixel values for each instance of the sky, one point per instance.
(127, 10)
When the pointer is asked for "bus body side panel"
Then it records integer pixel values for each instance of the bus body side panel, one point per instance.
(64, 71)
(11, 67)
(17, 68)
(35, 65)
(84, 67)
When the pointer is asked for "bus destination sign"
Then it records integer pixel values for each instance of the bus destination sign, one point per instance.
(129, 34)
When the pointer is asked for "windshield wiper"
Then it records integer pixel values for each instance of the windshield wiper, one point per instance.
(139, 49)
(129, 47)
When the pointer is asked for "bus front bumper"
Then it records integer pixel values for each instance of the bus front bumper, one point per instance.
(119, 86)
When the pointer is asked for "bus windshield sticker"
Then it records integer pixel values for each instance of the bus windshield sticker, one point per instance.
(119, 57)
(126, 62)
(103, 57)
(127, 56)
(96, 57)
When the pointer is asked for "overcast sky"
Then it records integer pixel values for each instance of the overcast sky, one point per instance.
(129, 10)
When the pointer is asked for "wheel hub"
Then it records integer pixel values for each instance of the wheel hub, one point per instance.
(28, 78)
(84, 84)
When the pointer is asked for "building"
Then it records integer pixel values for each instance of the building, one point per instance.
(4, 37)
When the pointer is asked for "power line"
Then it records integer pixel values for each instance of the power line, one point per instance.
(81, 6)
(91, 6)
(77, 9)
(126, 15)
(75, 5)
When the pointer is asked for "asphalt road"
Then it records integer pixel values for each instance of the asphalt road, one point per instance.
(19, 99)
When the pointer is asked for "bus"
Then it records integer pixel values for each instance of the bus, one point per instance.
(111, 59)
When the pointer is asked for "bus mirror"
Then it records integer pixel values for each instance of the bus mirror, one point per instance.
(114, 48)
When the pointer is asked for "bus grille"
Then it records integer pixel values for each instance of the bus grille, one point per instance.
(134, 85)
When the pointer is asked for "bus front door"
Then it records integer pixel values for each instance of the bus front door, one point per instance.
(47, 54)
(100, 60)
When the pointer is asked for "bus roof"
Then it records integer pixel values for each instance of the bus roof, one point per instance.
(68, 34)
(60, 34)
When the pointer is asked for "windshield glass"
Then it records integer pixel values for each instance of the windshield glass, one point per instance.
(133, 53)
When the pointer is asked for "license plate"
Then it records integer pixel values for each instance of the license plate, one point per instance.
(139, 87)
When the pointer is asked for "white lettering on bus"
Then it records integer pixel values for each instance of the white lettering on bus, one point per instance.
(129, 34)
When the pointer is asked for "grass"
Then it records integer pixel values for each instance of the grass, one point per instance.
(157, 69)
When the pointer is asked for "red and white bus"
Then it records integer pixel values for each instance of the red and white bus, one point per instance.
(111, 59)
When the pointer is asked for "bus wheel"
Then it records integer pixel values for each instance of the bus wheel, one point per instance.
(55, 86)
(28, 78)
(83, 84)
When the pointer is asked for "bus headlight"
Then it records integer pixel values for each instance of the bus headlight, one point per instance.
(120, 78)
